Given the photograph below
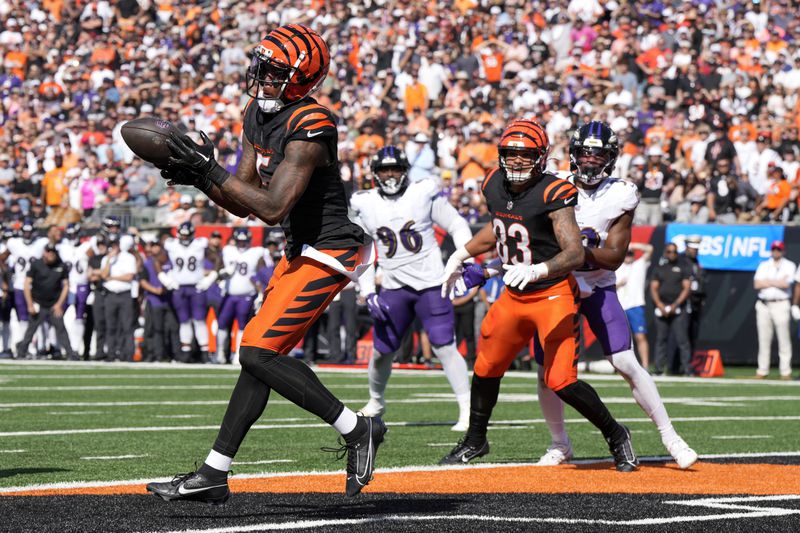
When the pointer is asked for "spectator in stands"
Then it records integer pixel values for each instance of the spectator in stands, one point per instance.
(773, 281)
(776, 200)
(670, 287)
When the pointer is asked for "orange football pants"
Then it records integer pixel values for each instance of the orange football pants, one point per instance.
(512, 321)
(298, 293)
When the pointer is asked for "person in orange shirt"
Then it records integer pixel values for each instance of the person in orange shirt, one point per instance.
(474, 158)
(415, 96)
(368, 142)
(492, 64)
(54, 184)
(777, 198)
(657, 133)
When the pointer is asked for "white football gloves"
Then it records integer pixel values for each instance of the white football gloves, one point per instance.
(520, 275)
(452, 271)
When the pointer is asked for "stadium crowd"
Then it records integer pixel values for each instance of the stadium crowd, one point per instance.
(703, 96)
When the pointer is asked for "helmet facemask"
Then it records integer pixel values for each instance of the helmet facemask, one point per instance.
(522, 164)
(391, 180)
(266, 72)
(591, 164)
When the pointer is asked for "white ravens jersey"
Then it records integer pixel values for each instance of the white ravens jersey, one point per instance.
(187, 260)
(21, 256)
(77, 261)
(242, 266)
(402, 227)
(595, 213)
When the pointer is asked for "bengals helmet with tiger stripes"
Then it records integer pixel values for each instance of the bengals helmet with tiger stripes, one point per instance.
(293, 58)
(527, 138)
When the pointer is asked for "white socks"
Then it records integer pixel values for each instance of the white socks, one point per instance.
(218, 461)
(553, 410)
(201, 333)
(644, 392)
(223, 340)
(345, 423)
(380, 368)
(455, 369)
(185, 334)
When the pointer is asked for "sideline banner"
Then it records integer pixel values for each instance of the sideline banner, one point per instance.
(728, 247)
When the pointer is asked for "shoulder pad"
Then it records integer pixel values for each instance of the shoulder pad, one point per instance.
(312, 118)
(427, 187)
(558, 190)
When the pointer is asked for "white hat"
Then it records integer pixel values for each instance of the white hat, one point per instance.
(186, 199)
(146, 108)
(421, 138)
(638, 160)
(654, 151)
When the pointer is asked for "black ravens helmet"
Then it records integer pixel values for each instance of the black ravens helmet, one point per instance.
(241, 236)
(593, 152)
(390, 170)
(185, 233)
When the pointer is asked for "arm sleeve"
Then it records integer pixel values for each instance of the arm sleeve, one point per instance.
(446, 216)
(759, 275)
(366, 282)
(560, 194)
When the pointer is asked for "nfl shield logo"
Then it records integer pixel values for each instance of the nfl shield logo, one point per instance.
(510, 205)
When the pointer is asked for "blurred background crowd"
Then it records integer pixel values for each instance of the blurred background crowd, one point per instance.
(703, 95)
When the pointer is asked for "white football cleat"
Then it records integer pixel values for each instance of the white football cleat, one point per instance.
(373, 408)
(683, 455)
(556, 454)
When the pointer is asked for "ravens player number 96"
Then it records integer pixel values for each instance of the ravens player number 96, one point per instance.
(400, 214)
(288, 174)
(533, 227)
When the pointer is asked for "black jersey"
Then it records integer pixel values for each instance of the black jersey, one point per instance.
(521, 223)
(319, 218)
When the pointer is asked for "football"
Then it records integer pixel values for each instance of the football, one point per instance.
(147, 138)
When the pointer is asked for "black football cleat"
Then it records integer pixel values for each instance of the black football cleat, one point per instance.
(360, 451)
(464, 452)
(624, 457)
(193, 486)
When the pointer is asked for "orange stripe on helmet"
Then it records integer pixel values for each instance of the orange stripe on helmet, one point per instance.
(524, 134)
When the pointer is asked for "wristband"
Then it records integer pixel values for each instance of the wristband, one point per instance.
(218, 175)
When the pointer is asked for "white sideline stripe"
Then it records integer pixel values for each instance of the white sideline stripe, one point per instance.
(392, 470)
(744, 511)
(495, 425)
(12, 451)
(265, 462)
(514, 374)
(112, 457)
(734, 437)
(180, 416)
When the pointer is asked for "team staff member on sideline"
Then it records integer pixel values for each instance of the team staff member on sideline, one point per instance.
(117, 272)
(670, 288)
(98, 296)
(773, 281)
(539, 243)
(288, 174)
(46, 290)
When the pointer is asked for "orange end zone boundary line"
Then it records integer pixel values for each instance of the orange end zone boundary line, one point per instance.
(703, 478)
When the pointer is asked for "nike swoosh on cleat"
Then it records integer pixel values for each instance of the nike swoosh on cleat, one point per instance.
(185, 492)
(314, 134)
(553, 297)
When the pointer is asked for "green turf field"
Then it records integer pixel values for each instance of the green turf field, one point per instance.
(154, 421)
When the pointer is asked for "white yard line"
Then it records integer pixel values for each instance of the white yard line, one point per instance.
(265, 462)
(499, 424)
(736, 437)
(200, 368)
(12, 451)
(112, 457)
